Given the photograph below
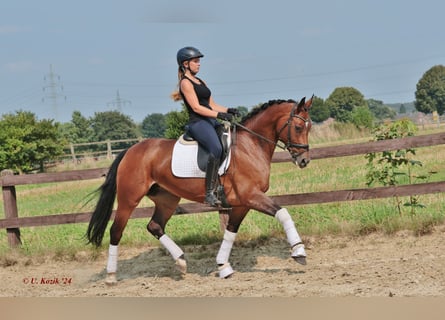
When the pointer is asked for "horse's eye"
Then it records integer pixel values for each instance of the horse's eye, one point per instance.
(298, 128)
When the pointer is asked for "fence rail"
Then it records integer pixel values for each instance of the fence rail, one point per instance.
(108, 152)
(13, 222)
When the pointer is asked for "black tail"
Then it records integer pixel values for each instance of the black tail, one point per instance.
(104, 207)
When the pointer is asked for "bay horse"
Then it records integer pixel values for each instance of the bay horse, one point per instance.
(144, 169)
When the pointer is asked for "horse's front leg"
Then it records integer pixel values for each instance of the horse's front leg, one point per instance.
(293, 238)
(175, 251)
(264, 204)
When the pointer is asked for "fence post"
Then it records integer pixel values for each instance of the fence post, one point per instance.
(109, 151)
(223, 220)
(73, 154)
(10, 206)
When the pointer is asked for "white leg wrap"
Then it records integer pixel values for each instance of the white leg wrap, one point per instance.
(171, 246)
(226, 247)
(285, 219)
(112, 259)
(225, 270)
(298, 251)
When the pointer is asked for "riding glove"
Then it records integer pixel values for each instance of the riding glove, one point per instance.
(224, 116)
(234, 111)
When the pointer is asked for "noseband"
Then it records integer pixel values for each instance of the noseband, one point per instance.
(289, 144)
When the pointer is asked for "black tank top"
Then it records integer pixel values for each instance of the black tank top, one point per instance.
(203, 93)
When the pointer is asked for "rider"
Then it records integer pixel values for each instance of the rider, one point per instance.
(203, 112)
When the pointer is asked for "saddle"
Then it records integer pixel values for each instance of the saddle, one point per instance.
(189, 158)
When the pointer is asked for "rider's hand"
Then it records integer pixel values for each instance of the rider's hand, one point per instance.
(234, 111)
(225, 116)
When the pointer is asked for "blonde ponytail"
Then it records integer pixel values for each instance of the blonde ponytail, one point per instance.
(176, 95)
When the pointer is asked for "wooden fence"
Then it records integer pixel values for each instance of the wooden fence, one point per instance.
(13, 222)
(107, 153)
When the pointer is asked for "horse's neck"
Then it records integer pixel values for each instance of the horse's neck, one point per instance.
(262, 139)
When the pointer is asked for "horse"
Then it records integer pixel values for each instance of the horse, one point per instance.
(144, 169)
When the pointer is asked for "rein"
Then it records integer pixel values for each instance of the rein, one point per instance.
(286, 145)
(259, 136)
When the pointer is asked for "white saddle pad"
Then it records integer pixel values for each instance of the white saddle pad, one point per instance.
(185, 163)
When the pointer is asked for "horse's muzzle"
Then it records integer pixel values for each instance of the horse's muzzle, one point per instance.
(301, 159)
(303, 162)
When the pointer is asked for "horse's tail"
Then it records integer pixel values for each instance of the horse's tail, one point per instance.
(104, 207)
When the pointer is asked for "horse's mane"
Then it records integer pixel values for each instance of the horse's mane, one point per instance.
(264, 106)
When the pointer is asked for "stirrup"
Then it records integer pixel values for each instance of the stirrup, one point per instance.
(212, 200)
(221, 195)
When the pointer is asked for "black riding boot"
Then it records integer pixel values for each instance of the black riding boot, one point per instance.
(212, 182)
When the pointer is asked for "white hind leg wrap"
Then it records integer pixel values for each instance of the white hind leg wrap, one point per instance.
(285, 219)
(226, 247)
(171, 246)
(112, 259)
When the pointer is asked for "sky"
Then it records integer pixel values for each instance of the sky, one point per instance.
(57, 57)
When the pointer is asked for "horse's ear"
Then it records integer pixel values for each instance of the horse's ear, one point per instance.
(309, 102)
(302, 102)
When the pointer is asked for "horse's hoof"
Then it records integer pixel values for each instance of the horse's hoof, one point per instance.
(225, 271)
(111, 279)
(299, 254)
(300, 260)
(181, 265)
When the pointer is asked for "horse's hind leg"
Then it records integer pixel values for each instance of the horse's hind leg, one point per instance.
(128, 199)
(165, 205)
(116, 231)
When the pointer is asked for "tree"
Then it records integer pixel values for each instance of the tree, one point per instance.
(430, 93)
(319, 110)
(175, 122)
(343, 101)
(402, 109)
(83, 131)
(79, 130)
(113, 125)
(362, 117)
(153, 126)
(243, 111)
(26, 143)
(380, 111)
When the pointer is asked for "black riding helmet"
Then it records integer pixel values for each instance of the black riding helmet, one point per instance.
(187, 53)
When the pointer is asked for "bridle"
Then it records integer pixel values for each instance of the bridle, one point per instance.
(289, 144)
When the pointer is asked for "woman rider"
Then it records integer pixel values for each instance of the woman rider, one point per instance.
(203, 112)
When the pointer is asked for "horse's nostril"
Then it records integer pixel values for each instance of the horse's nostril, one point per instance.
(304, 162)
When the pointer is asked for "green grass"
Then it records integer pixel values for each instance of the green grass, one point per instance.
(353, 218)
